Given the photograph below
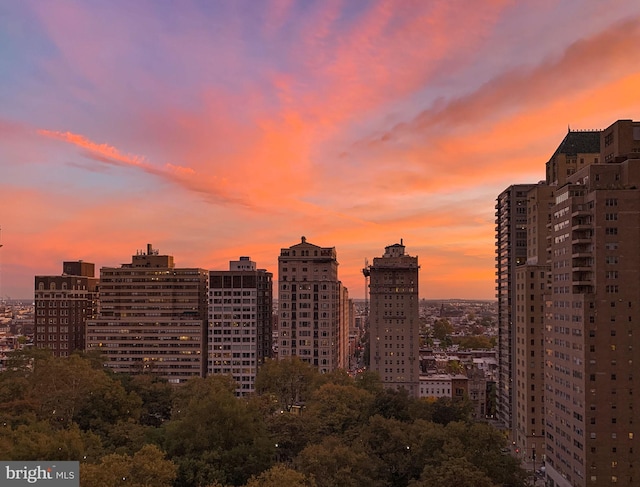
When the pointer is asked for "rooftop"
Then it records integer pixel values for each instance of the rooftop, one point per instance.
(579, 142)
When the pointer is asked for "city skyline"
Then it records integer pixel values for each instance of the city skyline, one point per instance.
(227, 129)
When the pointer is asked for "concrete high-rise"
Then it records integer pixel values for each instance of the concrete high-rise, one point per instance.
(511, 251)
(63, 304)
(394, 319)
(310, 299)
(240, 322)
(153, 317)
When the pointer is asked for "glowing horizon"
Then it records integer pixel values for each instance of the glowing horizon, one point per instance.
(215, 130)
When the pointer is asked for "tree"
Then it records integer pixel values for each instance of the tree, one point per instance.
(289, 434)
(214, 436)
(43, 441)
(454, 367)
(280, 476)
(369, 381)
(476, 342)
(392, 448)
(147, 468)
(444, 410)
(392, 404)
(156, 395)
(481, 445)
(334, 464)
(442, 328)
(453, 471)
(335, 409)
(64, 391)
(289, 380)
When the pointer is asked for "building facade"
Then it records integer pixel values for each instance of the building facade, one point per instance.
(511, 251)
(240, 322)
(394, 319)
(63, 304)
(153, 318)
(591, 320)
(310, 298)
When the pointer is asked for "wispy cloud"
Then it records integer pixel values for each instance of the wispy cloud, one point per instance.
(185, 177)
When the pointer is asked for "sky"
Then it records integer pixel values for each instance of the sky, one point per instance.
(219, 129)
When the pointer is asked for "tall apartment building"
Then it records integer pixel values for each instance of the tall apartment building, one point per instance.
(523, 219)
(577, 150)
(309, 300)
(153, 317)
(394, 319)
(240, 322)
(511, 251)
(63, 304)
(592, 313)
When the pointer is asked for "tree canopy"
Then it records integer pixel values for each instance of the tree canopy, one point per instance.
(301, 428)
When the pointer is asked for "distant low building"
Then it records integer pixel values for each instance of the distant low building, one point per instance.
(63, 304)
(444, 385)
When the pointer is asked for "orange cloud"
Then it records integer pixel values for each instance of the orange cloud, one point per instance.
(182, 176)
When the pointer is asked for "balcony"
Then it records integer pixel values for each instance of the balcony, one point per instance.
(582, 278)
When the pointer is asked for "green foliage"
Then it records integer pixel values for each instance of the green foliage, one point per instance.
(40, 440)
(215, 437)
(391, 448)
(335, 409)
(392, 404)
(476, 342)
(346, 432)
(289, 434)
(453, 471)
(156, 396)
(445, 410)
(147, 468)
(281, 476)
(369, 381)
(290, 381)
(454, 367)
(442, 328)
(334, 464)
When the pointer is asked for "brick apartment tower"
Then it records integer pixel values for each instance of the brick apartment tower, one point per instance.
(240, 322)
(394, 319)
(577, 150)
(310, 306)
(592, 317)
(63, 304)
(153, 318)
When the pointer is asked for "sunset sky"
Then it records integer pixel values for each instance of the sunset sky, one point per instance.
(215, 129)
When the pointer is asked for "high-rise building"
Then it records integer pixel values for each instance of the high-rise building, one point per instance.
(153, 317)
(592, 312)
(63, 304)
(394, 319)
(576, 301)
(532, 288)
(309, 301)
(511, 251)
(240, 322)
